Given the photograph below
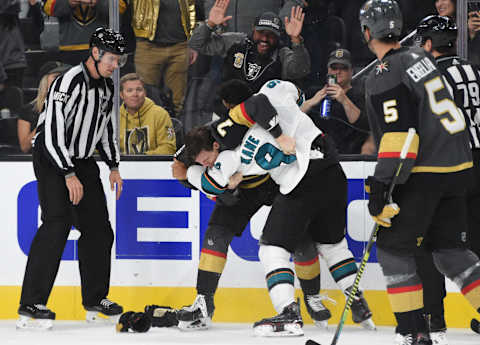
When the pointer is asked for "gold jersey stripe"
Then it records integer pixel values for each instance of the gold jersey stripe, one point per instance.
(250, 185)
(75, 47)
(392, 142)
(454, 168)
(237, 115)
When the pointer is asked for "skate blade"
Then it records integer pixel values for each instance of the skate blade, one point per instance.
(191, 326)
(321, 324)
(97, 317)
(290, 330)
(368, 324)
(27, 323)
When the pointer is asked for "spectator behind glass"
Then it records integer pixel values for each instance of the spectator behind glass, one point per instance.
(28, 116)
(347, 124)
(244, 12)
(449, 8)
(258, 57)
(78, 20)
(162, 53)
(145, 128)
(12, 48)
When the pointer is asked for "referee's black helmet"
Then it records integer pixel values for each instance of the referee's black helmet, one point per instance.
(441, 30)
(108, 40)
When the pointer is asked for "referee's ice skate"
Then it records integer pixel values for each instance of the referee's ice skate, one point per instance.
(35, 316)
(317, 310)
(361, 313)
(288, 323)
(105, 311)
(198, 316)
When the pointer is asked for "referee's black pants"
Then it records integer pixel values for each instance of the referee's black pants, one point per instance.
(90, 217)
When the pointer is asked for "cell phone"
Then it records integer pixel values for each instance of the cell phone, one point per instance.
(331, 79)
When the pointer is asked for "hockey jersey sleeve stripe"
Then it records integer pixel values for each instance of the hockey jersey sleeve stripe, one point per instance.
(411, 155)
(254, 181)
(239, 115)
(49, 6)
(210, 186)
(392, 143)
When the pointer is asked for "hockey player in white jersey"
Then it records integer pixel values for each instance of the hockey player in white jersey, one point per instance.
(313, 194)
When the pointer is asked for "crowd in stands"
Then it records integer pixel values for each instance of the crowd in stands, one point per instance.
(180, 51)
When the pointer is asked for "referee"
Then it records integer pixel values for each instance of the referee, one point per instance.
(438, 36)
(77, 119)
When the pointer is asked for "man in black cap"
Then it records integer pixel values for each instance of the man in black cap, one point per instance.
(345, 123)
(258, 57)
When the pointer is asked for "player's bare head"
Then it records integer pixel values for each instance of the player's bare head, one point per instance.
(200, 146)
(381, 20)
(234, 92)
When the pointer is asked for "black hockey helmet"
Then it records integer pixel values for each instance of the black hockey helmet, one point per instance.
(382, 17)
(108, 40)
(441, 30)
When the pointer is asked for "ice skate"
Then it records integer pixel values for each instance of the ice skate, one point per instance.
(105, 312)
(439, 337)
(409, 339)
(198, 316)
(361, 312)
(317, 310)
(35, 316)
(288, 323)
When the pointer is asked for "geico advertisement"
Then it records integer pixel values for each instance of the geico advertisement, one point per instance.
(159, 227)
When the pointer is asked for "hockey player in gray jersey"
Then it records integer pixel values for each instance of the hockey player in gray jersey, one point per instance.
(407, 90)
(303, 198)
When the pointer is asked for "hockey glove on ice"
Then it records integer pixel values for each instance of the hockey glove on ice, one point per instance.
(137, 322)
(161, 316)
(380, 211)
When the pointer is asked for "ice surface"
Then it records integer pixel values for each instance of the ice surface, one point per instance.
(76, 333)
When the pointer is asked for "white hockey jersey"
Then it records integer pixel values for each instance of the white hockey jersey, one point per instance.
(259, 153)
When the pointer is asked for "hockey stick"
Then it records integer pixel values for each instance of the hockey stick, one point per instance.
(371, 241)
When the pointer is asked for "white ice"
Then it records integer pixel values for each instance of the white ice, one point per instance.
(76, 333)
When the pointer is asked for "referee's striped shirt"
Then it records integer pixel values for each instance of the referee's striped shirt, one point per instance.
(77, 119)
(463, 82)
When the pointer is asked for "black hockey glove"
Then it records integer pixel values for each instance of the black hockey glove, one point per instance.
(161, 316)
(378, 208)
(136, 322)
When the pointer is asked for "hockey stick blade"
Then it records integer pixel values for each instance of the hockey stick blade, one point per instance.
(311, 342)
(475, 326)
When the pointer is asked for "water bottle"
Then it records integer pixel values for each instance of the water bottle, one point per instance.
(326, 106)
(327, 101)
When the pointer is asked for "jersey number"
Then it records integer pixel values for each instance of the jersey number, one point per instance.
(455, 122)
(391, 113)
(269, 157)
(221, 127)
(470, 92)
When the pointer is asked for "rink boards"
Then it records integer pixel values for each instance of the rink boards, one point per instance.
(158, 227)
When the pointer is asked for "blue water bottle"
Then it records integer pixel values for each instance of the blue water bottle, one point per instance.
(326, 106)
(327, 101)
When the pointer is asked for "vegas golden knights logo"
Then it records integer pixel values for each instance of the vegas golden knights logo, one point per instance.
(419, 241)
(136, 141)
(84, 14)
